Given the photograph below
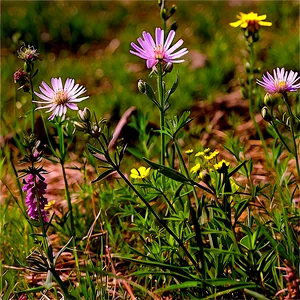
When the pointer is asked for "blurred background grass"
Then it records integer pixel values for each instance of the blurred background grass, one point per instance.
(90, 41)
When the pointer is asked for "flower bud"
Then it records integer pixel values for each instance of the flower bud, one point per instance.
(269, 100)
(168, 67)
(80, 126)
(265, 113)
(174, 26)
(173, 9)
(27, 67)
(247, 67)
(141, 86)
(84, 115)
(26, 87)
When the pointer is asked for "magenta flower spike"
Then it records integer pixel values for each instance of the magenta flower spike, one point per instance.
(282, 82)
(31, 197)
(58, 98)
(160, 50)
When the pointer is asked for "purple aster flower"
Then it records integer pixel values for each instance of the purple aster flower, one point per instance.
(160, 50)
(31, 200)
(59, 98)
(282, 82)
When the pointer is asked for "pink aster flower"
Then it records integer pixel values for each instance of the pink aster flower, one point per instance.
(58, 98)
(282, 82)
(34, 192)
(160, 50)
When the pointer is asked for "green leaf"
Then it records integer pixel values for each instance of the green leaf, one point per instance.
(237, 168)
(172, 89)
(103, 175)
(255, 295)
(168, 172)
(150, 94)
(94, 149)
(184, 285)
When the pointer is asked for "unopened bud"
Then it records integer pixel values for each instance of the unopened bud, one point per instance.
(80, 126)
(173, 9)
(265, 113)
(141, 86)
(269, 100)
(247, 67)
(84, 115)
(26, 87)
(168, 67)
(164, 14)
(174, 26)
(27, 67)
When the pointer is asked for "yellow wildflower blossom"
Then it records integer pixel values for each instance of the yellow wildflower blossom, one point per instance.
(49, 205)
(212, 155)
(251, 21)
(195, 169)
(189, 152)
(140, 173)
(221, 165)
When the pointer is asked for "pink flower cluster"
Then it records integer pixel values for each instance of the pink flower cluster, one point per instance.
(34, 191)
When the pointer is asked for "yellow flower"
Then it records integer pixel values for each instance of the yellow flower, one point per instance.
(188, 152)
(220, 166)
(202, 153)
(195, 169)
(252, 21)
(140, 173)
(49, 205)
(212, 155)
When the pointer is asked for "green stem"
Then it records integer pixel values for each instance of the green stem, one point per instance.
(62, 285)
(162, 113)
(70, 211)
(251, 104)
(193, 215)
(32, 104)
(158, 218)
(293, 131)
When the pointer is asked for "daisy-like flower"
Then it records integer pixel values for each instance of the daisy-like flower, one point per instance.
(35, 192)
(28, 53)
(58, 98)
(160, 50)
(140, 173)
(282, 82)
(251, 21)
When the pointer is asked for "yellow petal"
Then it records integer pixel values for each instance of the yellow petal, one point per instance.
(262, 23)
(236, 24)
(244, 25)
(262, 17)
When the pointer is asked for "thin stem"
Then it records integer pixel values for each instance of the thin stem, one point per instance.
(162, 113)
(61, 285)
(193, 214)
(158, 218)
(70, 211)
(32, 104)
(251, 104)
(292, 130)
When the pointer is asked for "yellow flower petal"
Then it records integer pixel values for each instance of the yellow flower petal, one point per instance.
(262, 23)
